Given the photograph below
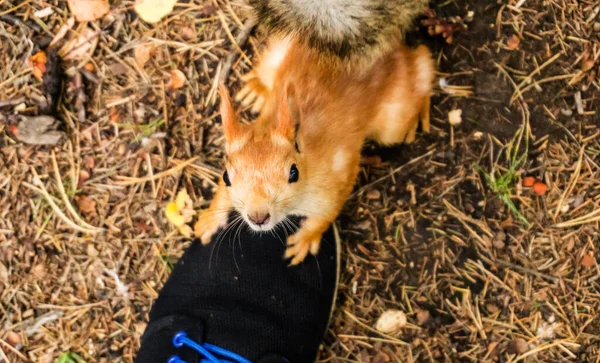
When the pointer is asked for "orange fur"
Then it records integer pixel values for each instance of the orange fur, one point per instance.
(328, 111)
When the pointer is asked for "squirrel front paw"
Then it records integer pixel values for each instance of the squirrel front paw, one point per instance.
(253, 93)
(300, 244)
(209, 222)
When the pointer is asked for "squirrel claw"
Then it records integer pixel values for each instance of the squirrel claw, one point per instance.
(253, 93)
(298, 248)
(207, 226)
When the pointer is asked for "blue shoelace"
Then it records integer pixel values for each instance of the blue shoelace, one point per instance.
(211, 353)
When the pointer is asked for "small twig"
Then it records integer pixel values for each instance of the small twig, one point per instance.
(12, 349)
(69, 308)
(131, 181)
(527, 270)
(241, 40)
(544, 347)
(593, 216)
(42, 190)
(415, 160)
(536, 71)
(571, 186)
(235, 41)
(12, 102)
(64, 196)
(3, 356)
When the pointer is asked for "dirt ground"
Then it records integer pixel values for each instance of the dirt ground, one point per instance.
(447, 230)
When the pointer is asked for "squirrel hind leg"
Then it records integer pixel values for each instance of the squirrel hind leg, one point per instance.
(411, 135)
(424, 116)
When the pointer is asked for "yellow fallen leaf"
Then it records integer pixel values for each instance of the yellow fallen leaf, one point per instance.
(181, 199)
(180, 212)
(152, 11)
(88, 10)
(172, 214)
(142, 54)
(186, 231)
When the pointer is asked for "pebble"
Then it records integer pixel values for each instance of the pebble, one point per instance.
(566, 111)
(391, 321)
(13, 338)
(373, 194)
(422, 317)
(455, 117)
(518, 346)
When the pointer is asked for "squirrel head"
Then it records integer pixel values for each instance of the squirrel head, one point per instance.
(265, 169)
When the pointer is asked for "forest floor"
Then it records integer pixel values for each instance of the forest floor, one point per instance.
(448, 230)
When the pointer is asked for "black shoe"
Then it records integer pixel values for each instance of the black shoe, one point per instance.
(238, 294)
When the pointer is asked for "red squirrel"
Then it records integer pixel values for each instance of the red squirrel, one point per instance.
(301, 155)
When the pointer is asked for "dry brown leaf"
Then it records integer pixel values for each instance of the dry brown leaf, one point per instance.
(518, 346)
(143, 227)
(152, 11)
(84, 175)
(38, 62)
(39, 271)
(209, 10)
(88, 10)
(117, 69)
(89, 162)
(63, 31)
(92, 251)
(513, 42)
(188, 33)
(86, 204)
(381, 357)
(80, 46)
(142, 54)
(422, 317)
(177, 79)
(38, 130)
(588, 260)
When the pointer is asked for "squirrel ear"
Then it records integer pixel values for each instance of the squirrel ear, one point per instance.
(289, 114)
(231, 126)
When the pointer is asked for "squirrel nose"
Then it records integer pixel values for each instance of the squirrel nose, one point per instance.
(259, 218)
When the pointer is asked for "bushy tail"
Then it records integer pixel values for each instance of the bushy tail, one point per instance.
(345, 28)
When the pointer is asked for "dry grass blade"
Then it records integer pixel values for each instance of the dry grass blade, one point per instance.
(65, 198)
(124, 181)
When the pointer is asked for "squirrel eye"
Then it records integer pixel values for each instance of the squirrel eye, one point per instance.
(294, 174)
(226, 179)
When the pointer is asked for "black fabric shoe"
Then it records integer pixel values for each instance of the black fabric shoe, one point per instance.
(238, 294)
